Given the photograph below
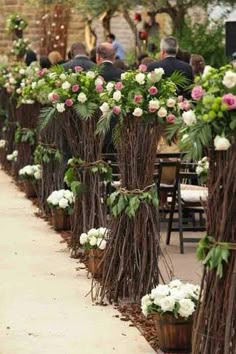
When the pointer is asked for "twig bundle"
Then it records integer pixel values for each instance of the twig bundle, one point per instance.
(89, 211)
(215, 323)
(131, 259)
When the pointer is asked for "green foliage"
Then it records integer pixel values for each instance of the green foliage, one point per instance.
(206, 39)
(24, 135)
(85, 111)
(44, 154)
(103, 124)
(47, 114)
(129, 203)
(213, 254)
(15, 22)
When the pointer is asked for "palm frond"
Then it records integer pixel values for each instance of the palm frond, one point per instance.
(179, 79)
(45, 117)
(103, 124)
(85, 111)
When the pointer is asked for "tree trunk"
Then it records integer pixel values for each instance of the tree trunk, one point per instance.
(106, 23)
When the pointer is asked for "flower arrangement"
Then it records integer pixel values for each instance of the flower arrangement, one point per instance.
(14, 77)
(20, 46)
(142, 95)
(13, 156)
(31, 172)
(202, 169)
(62, 199)
(3, 144)
(212, 120)
(94, 239)
(15, 23)
(176, 298)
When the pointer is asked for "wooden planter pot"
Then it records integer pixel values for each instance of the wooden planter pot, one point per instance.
(174, 334)
(30, 189)
(60, 219)
(95, 263)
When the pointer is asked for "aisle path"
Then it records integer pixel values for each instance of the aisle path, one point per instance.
(43, 308)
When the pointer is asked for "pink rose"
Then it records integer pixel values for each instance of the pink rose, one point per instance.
(53, 97)
(75, 88)
(230, 101)
(99, 88)
(197, 93)
(185, 105)
(180, 99)
(138, 98)
(78, 68)
(170, 118)
(116, 110)
(142, 68)
(42, 72)
(153, 90)
(118, 86)
(69, 102)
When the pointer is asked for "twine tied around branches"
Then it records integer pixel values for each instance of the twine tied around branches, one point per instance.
(85, 164)
(136, 191)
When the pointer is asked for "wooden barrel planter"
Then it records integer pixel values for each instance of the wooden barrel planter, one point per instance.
(30, 189)
(174, 334)
(95, 263)
(60, 219)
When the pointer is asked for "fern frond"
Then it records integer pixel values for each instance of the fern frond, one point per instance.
(85, 111)
(45, 117)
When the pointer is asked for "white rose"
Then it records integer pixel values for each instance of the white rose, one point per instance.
(206, 70)
(187, 308)
(38, 174)
(93, 232)
(109, 87)
(123, 76)
(117, 95)
(162, 112)
(9, 157)
(18, 91)
(68, 194)
(160, 291)
(60, 107)
(33, 85)
(102, 245)
(52, 75)
(221, 143)
(170, 102)
(22, 71)
(140, 78)
(22, 84)
(189, 117)
(178, 293)
(175, 283)
(154, 105)
(83, 238)
(41, 82)
(156, 75)
(15, 153)
(167, 303)
(99, 81)
(82, 97)
(145, 302)
(63, 203)
(12, 80)
(199, 170)
(93, 241)
(138, 112)
(229, 79)
(63, 77)
(91, 74)
(66, 85)
(105, 108)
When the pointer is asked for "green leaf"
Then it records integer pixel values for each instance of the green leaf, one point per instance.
(45, 117)
(85, 110)
(103, 124)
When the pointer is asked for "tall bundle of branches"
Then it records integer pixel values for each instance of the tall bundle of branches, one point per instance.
(53, 160)
(215, 324)
(27, 117)
(89, 211)
(11, 124)
(131, 259)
